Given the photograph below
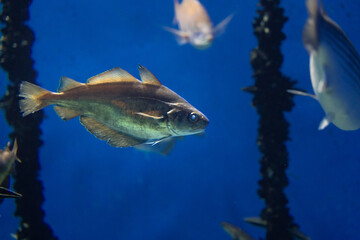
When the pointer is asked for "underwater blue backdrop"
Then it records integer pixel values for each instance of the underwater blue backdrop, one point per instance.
(95, 191)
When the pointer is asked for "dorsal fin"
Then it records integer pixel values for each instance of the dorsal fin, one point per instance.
(147, 77)
(67, 83)
(113, 75)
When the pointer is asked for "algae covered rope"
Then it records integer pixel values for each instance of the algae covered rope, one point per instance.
(271, 101)
(15, 59)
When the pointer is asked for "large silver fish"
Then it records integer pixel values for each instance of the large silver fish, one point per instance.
(118, 108)
(195, 26)
(334, 69)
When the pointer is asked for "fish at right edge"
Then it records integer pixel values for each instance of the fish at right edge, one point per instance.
(334, 69)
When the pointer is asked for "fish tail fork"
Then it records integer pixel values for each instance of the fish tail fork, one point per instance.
(31, 101)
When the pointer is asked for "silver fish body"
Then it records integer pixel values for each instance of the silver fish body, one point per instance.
(334, 68)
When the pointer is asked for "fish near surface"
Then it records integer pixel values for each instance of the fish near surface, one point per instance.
(334, 69)
(118, 108)
(195, 26)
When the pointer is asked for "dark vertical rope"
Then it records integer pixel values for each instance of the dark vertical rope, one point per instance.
(271, 101)
(15, 59)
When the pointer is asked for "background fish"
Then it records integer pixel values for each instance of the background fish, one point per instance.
(195, 25)
(235, 232)
(334, 69)
(118, 108)
(7, 160)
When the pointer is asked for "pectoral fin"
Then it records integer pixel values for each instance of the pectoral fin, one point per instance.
(181, 37)
(112, 137)
(163, 147)
(324, 123)
(301, 93)
(220, 28)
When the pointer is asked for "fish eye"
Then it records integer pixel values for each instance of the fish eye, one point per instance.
(193, 117)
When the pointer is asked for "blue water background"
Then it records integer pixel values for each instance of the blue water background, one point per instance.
(94, 191)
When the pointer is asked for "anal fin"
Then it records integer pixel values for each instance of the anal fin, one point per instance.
(65, 113)
(112, 137)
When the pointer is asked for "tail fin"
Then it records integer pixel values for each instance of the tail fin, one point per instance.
(31, 94)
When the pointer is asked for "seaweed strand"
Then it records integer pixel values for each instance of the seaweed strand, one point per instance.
(15, 59)
(271, 101)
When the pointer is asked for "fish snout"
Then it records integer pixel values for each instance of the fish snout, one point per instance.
(205, 120)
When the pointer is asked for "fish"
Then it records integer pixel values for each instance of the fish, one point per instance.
(7, 160)
(235, 232)
(334, 69)
(295, 231)
(195, 26)
(116, 107)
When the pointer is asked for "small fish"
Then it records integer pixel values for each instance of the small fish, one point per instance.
(118, 108)
(195, 26)
(235, 232)
(334, 69)
(7, 160)
(295, 231)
